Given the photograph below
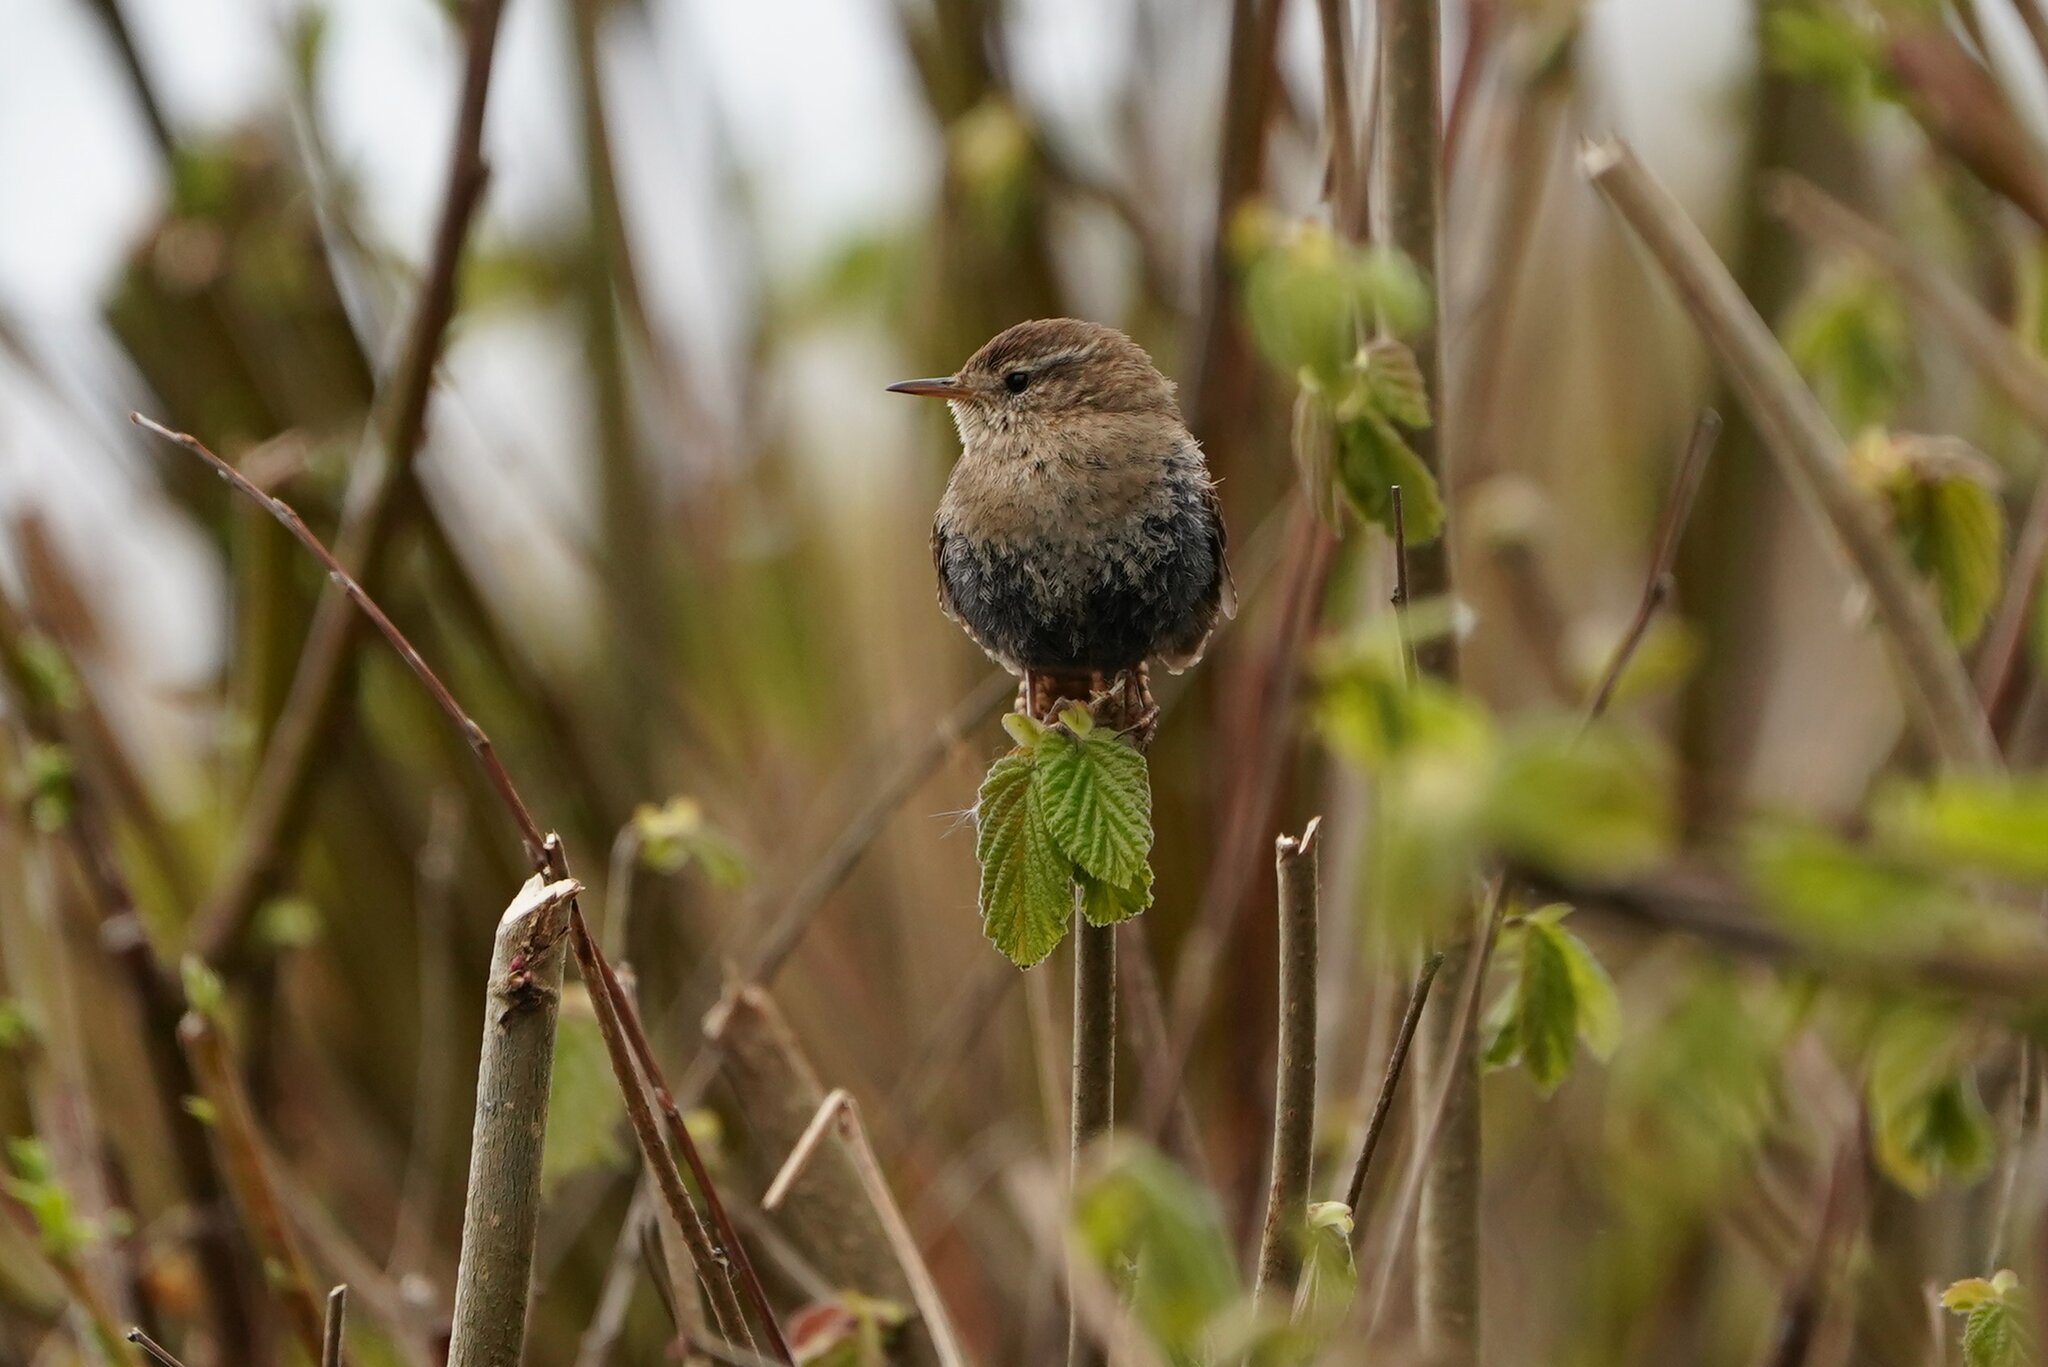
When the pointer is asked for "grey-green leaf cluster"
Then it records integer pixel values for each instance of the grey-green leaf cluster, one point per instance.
(1071, 805)
(1330, 314)
(1558, 997)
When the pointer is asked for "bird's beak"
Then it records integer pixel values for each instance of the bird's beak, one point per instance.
(941, 387)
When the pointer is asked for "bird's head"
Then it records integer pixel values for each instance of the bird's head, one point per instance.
(1051, 377)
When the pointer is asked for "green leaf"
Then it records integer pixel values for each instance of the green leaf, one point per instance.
(1992, 823)
(1941, 500)
(1158, 1234)
(1097, 800)
(288, 923)
(1329, 1276)
(676, 835)
(1308, 294)
(1827, 46)
(1929, 1124)
(1996, 1327)
(1560, 996)
(1372, 457)
(1850, 339)
(1104, 904)
(584, 1104)
(48, 777)
(1394, 381)
(1026, 882)
(1831, 890)
(1996, 1335)
(1599, 1005)
(17, 1031)
(1588, 805)
(204, 993)
(1546, 1008)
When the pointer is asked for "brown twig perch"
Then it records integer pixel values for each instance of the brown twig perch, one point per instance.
(1294, 1089)
(502, 1212)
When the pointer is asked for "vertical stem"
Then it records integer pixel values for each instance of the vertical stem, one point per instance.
(503, 1210)
(1411, 106)
(1294, 1090)
(337, 1315)
(1447, 1264)
(1094, 1071)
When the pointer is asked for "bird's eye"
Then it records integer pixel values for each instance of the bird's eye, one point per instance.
(1016, 380)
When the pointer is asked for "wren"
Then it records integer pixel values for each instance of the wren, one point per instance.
(1079, 537)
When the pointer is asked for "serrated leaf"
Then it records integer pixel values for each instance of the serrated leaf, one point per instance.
(1992, 823)
(1026, 883)
(1394, 380)
(1097, 799)
(1995, 1335)
(584, 1104)
(1372, 457)
(1104, 904)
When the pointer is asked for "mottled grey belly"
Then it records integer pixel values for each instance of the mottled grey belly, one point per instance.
(1105, 604)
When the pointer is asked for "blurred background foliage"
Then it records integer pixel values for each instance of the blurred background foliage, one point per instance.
(1759, 1098)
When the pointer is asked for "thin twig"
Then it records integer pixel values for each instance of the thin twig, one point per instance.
(712, 1271)
(1397, 1061)
(153, 1348)
(487, 755)
(1657, 588)
(281, 791)
(1341, 179)
(337, 1316)
(679, 1135)
(241, 1162)
(501, 1216)
(841, 1113)
(1294, 1088)
(1808, 450)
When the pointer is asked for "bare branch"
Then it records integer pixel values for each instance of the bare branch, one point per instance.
(1294, 1091)
(839, 1112)
(502, 1214)
(1397, 1061)
(1807, 449)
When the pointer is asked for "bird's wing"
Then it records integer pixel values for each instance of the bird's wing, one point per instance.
(1219, 540)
